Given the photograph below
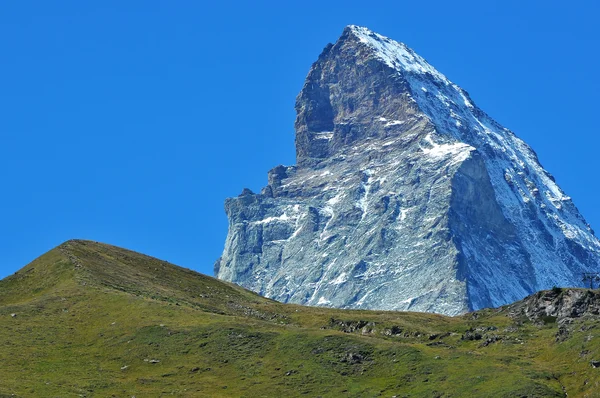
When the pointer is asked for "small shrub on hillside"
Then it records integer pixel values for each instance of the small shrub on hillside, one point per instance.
(556, 290)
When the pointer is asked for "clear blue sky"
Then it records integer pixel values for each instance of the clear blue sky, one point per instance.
(130, 122)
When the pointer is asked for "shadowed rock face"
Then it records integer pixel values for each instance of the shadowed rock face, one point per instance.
(406, 196)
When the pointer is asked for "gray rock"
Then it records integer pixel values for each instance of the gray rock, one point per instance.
(562, 306)
(406, 196)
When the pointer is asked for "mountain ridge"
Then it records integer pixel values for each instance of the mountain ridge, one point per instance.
(82, 263)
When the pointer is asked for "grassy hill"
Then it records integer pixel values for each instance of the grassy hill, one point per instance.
(88, 319)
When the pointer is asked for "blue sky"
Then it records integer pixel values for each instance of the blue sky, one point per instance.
(131, 122)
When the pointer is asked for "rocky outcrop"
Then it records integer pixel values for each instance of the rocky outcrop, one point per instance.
(405, 196)
(558, 305)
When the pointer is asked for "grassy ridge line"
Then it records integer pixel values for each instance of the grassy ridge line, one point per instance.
(93, 319)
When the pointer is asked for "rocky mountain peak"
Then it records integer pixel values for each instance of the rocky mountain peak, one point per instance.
(406, 196)
(353, 86)
(394, 54)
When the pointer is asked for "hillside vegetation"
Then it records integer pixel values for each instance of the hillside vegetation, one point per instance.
(88, 319)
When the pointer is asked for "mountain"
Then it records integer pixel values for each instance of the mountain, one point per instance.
(93, 320)
(405, 196)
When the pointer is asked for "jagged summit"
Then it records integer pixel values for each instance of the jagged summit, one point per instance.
(322, 113)
(406, 196)
(395, 54)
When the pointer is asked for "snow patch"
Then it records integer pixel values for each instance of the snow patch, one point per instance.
(394, 123)
(323, 301)
(403, 214)
(324, 135)
(458, 150)
(342, 278)
(335, 200)
(284, 217)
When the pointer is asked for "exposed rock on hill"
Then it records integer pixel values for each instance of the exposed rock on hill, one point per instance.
(564, 305)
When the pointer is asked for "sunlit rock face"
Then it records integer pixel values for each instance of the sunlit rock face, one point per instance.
(406, 196)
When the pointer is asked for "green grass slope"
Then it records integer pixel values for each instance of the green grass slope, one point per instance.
(93, 320)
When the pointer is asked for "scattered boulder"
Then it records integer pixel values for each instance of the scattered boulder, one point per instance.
(353, 358)
(365, 327)
(562, 334)
(471, 335)
(490, 340)
(393, 331)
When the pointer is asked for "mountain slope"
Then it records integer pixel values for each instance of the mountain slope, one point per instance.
(96, 320)
(406, 196)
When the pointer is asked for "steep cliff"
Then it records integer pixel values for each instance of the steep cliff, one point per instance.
(406, 196)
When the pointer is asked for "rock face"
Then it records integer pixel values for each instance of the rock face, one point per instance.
(565, 305)
(406, 196)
